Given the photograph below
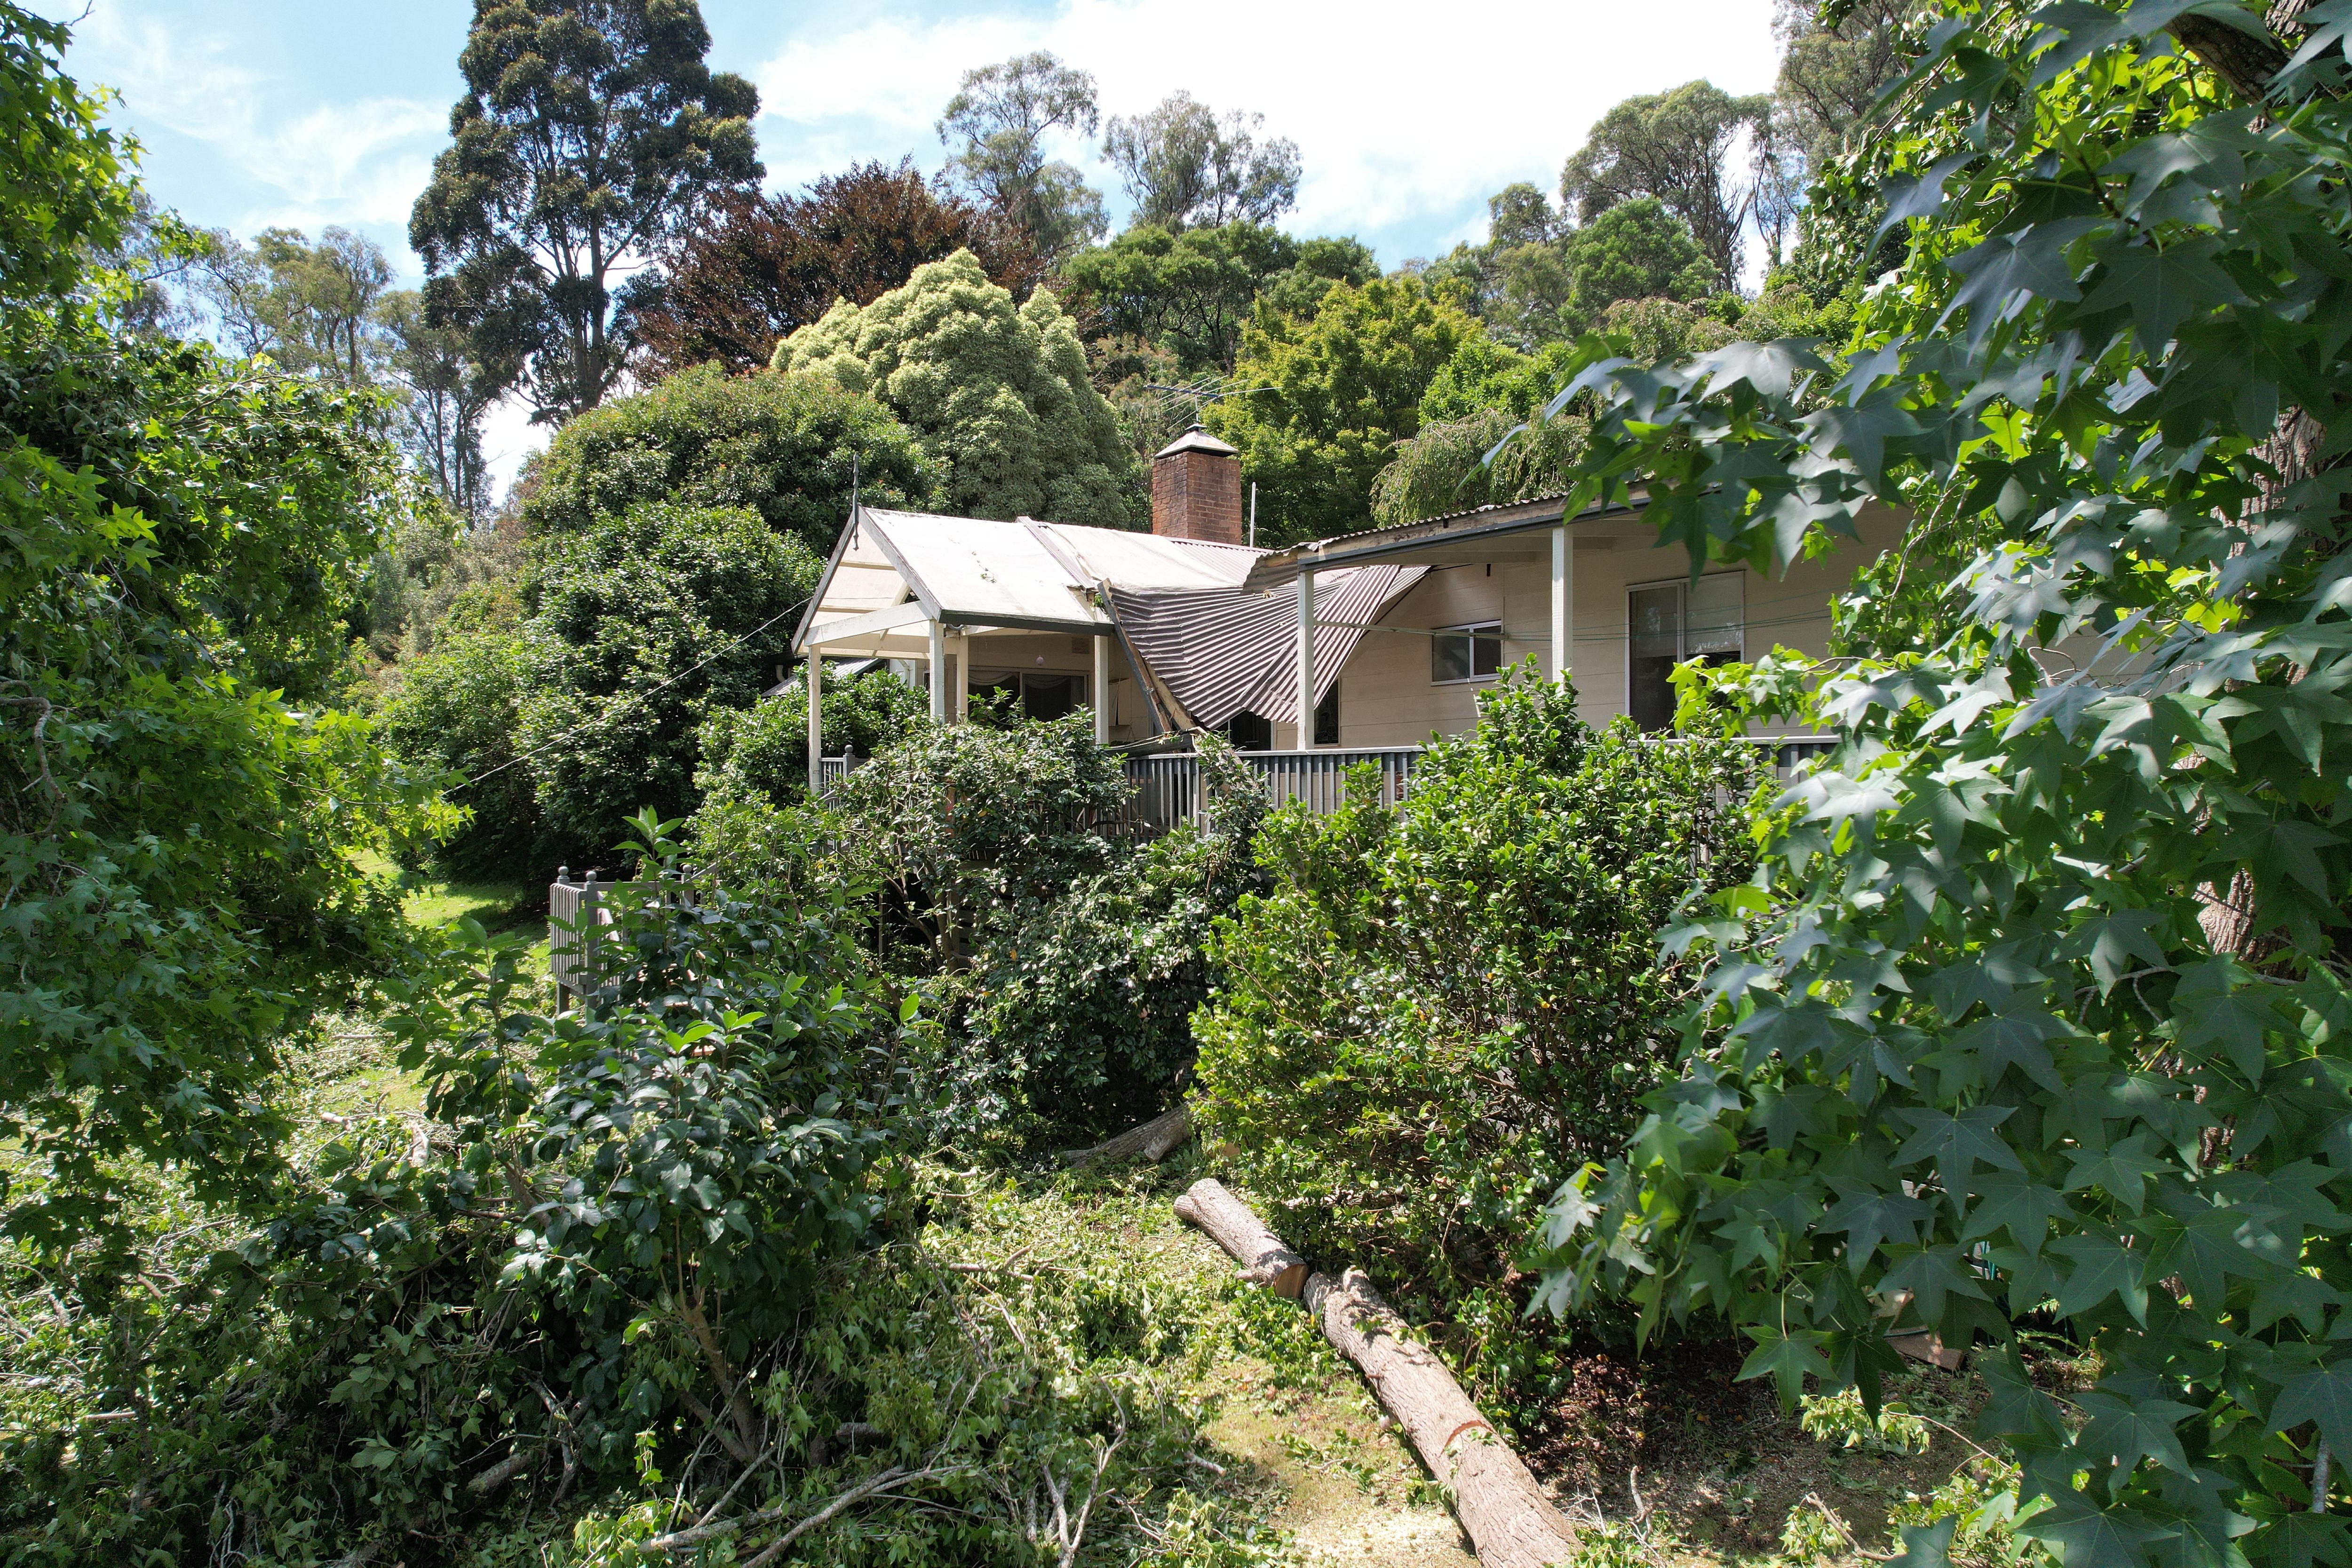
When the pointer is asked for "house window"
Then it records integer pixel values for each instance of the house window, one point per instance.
(1465, 653)
(1039, 694)
(1248, 732)
(1670, 623)
(1326, 718)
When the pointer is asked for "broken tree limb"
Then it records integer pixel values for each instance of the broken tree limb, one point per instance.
(1154, 1139)
(1235, 1226)
(1509, 1517)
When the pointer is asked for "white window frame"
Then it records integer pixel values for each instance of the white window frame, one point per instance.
(1473, 629)
(1684, 584)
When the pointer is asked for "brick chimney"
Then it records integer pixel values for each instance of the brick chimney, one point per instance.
(1196, 490)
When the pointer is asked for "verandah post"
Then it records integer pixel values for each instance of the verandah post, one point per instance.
(816, 720)
(1563, 604)
(1102, 691)
(937, 640)
(1306, 660)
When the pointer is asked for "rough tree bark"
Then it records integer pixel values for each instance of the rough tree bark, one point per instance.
(1510, 1520)
(1232, 1225)
(1154, 1141)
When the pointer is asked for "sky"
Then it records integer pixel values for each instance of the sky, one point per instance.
(261, 113)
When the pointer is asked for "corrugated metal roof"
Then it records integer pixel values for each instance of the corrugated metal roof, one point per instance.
(1213, 648)
(1221, 651)
(976, 572)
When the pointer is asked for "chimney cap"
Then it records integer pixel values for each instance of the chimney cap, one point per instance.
(1196, 439)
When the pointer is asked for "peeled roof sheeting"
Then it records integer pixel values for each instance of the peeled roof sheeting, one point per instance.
(981, 573)
(1220, 652)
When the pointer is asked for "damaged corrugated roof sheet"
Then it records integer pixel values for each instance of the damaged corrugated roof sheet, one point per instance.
(1212, 648)
(1220, 652)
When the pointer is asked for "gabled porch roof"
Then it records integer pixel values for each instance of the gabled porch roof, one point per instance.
(893, 573)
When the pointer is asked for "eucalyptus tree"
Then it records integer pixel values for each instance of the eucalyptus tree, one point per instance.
(592, 132)
(1676, 146)
(997, 125)
(1185, 165)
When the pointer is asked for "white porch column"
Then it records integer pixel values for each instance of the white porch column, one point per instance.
(815, 719)
(1563, 604)
(1102, 691)
(938, 652)
(962, 648)
(1306, 660)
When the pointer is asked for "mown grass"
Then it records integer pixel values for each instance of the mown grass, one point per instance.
(500, 907)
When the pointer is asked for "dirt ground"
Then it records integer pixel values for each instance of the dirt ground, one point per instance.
(1710, 1467)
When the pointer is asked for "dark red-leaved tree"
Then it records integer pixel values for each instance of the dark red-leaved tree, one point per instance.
(765, 265)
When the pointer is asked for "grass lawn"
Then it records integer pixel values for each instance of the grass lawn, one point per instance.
(516, 907)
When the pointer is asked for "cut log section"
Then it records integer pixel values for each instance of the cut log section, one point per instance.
(1509, 1519)
(1155, 1140)
(1232, 1225)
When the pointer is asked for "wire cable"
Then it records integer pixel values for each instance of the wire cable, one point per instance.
(582, 727)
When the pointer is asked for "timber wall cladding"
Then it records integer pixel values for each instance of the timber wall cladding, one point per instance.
(1386, 698)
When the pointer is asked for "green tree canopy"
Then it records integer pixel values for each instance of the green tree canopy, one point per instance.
(591, 133)
(67, 195)
(1477, 398)
(788, 446)
(1517, 279)
(1675, 147)
(997, 125)
(996, 394)
(310, 307)
(763, 265)
(445, 393)
(1185, 166)
(2037, 1002)
(640, 628)
(1187, 293)
(456, 714)
(182, 540)
(1636, 250)
(1834, 64)
(1340, 391)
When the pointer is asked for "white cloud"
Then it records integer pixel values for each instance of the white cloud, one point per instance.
(358, 159)
(1405, 119)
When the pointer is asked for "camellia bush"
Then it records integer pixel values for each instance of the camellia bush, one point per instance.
(2037, 1000)
(1436, 1012)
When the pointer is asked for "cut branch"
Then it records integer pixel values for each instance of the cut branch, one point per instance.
(1510, 1520)
(515, 1464)
(1155, 1139)
(1235, 1226)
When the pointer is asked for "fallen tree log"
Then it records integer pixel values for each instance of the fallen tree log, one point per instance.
(1509, 1519)
(1154, 1139)
(1234, 1225)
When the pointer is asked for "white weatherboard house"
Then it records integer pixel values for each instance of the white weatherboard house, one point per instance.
(1378, 639)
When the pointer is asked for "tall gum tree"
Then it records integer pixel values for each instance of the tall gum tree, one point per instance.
(592, 132)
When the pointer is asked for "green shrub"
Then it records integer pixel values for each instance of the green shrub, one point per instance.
(642, 627)
(1436, 1013)
(790, 447)
(455, 712)
(763, 750)
(1081, 1013)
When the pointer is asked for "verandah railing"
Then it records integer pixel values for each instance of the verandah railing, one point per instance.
(1167, 784)
(1167, 791)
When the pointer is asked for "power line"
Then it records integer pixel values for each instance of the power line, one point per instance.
(633, 697)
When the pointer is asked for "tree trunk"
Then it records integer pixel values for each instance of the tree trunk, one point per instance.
(1154, 1139)
(1510, 1520)
(1232, 1226)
